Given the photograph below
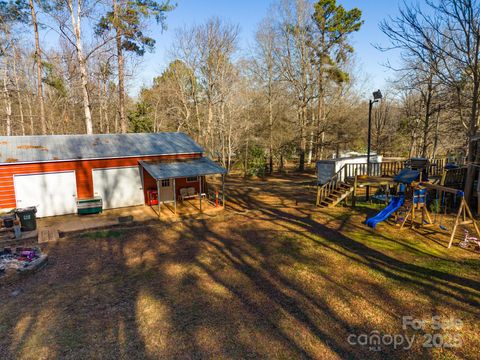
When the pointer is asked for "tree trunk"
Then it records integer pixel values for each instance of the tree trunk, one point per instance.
(435, 138)
(222, 121)
(320, 111)
(311, 140)
(209, 125)
(270, 112)
(310, 148)
(270, 125)
(303, 140)
(105, 109)
(17, 90)
(229, 147)
(411, 151)
(8, 103)
(245, 165)
(82, 63)
(322, 143)
(38, 61)
(100, 105)
(472, 131)
(30, 115)
(426, 124)
(193, 84)
(121, 72)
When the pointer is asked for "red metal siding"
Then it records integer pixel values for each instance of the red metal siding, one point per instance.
(83, 171)
(149, 183)
(180, 183)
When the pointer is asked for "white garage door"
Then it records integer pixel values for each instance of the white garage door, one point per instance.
(118, 187)
(52, 193)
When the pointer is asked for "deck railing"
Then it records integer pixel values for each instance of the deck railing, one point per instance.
(437, 166)
(454, 178)
(388, 168)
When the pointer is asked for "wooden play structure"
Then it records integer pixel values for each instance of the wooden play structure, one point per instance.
(351, 177)
(464, 214)
(415, 202)
(352, 180)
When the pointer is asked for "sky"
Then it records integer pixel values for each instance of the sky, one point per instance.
(249, 13)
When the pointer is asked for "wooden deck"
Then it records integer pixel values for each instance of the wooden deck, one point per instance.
(375, 180)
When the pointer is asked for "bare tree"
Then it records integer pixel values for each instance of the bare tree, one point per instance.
(38, 62)
(294, 58)
(76, 19)
(265, 69)
(7, 101)
(450, 29)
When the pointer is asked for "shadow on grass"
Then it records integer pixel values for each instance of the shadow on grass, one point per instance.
(271, 282)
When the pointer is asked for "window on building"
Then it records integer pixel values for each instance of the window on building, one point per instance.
(192, 179)
(165, 182)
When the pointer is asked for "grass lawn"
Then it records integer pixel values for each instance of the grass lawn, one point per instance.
(273, 277)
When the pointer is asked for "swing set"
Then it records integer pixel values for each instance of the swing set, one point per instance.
(464, 214)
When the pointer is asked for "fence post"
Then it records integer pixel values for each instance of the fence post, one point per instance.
(318, 194)
(354, 195)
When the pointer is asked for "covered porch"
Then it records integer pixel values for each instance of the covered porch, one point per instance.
(180, 187)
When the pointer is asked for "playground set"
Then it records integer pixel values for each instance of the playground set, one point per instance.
(412, 199)
(409, 189)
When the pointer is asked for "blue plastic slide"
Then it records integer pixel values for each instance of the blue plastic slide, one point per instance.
(383, 215)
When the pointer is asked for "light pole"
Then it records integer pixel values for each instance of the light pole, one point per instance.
(377, 95)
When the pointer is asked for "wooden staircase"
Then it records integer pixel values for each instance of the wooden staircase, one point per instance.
(335, 190)
(337, 195)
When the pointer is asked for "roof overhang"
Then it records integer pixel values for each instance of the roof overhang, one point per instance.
(182, 168)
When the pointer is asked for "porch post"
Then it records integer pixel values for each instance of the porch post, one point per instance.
(201, 182)
(223, 190)
(175, 195)
(158, 198)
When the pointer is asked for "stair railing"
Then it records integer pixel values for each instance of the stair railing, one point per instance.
(331, 184)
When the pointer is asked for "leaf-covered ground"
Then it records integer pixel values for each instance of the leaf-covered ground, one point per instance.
(273, 277)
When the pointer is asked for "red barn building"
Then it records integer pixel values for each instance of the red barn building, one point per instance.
(52, 172)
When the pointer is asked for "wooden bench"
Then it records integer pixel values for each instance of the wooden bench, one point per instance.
(188, 193)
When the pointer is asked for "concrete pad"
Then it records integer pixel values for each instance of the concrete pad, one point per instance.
(142, 213)
(75, 223)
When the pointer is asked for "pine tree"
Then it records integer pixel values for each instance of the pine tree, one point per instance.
(127, 20)
(333, 25)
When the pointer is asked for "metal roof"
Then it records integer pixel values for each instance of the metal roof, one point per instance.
(44, 148)
(185, 168)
